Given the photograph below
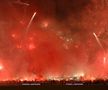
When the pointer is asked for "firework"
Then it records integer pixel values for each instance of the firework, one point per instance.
(98, 41)
(30, 22)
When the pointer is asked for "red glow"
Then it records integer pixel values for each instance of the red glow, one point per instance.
(31, 46)
(45, 24)
(1, 67)
(60, 45)
(19, 46)
(13, 35)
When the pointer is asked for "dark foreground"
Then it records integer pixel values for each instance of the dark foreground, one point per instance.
(73, 85)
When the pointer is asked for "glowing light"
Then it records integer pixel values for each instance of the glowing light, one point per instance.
(20, 2)
(104, 60)
(1, 67)
(92, 78)
(22, 22)
(79, 74)
(66, 46)
(45, 24)
(67, 40)
(21, 80)
(13, 35)
(31, 46)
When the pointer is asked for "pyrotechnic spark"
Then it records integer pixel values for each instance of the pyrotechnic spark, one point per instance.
(30, 22)
(27, 29)
(21, 3)
(98, 41)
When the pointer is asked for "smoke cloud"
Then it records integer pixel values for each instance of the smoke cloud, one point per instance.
(59, 42)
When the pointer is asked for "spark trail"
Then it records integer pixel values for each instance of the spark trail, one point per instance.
(98, 41)
(21, 3)
(30, 22)
(27, 29)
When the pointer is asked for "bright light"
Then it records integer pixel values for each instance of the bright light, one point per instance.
(92, 78)
(13, 35)
(45, 24)
(31, 46)
(1, 67)
(79, 74)
(104, 60)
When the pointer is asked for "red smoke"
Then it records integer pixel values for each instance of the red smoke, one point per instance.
(59, 42)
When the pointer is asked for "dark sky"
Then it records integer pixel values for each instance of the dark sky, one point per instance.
(60, 8)
(57, 8)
